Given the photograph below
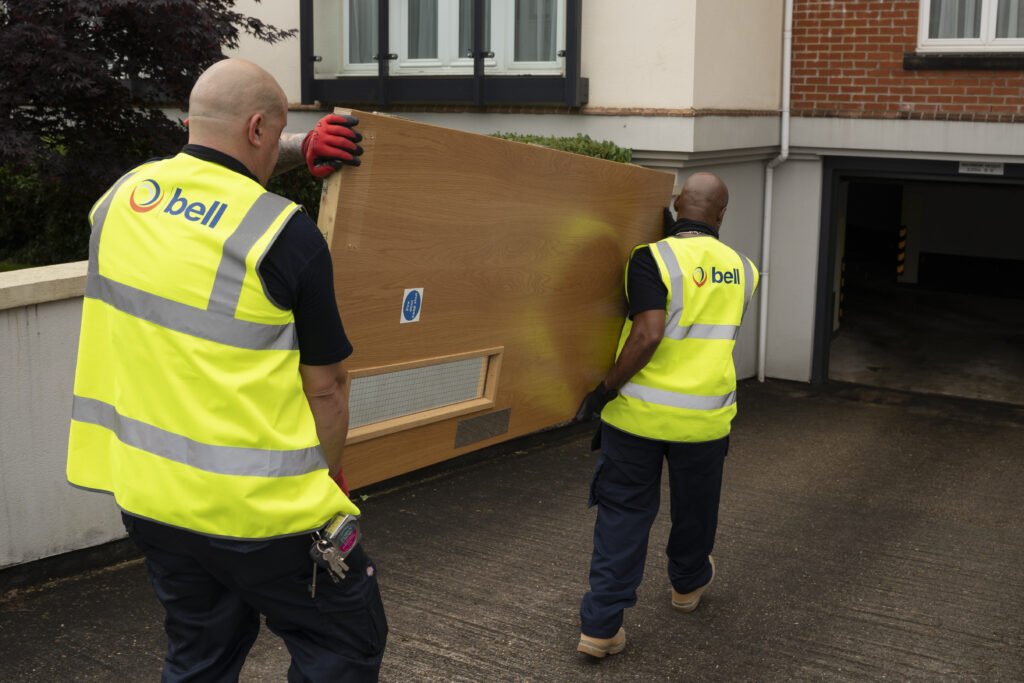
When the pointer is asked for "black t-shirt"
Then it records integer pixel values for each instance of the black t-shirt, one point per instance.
(644, 288)
(298, 274)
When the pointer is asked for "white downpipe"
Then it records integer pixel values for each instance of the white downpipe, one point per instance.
(769, 177)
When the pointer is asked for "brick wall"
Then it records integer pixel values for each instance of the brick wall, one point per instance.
(848, 62)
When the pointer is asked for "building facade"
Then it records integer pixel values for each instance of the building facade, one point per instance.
(911, 108)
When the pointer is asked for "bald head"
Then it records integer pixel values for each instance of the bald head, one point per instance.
(229, 92)
(236, 107)
(703, 198)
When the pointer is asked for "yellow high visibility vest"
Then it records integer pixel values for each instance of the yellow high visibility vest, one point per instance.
(687, 391)
(188, 404)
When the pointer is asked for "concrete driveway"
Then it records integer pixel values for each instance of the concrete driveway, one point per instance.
(865, 534)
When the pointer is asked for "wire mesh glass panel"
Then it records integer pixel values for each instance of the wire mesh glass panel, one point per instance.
(395, 394)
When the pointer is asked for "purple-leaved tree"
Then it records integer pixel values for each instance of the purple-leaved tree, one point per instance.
(82, 86)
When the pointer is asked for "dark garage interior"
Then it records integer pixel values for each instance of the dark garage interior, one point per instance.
(930, 280)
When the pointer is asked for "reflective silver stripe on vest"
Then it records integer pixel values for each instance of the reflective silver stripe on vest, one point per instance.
(675, 276)
(98, 218)
(673, 330)
(230, 460)
(748, 281)
(700, 331)
(227, 286)
(174, 315)
(671, 399)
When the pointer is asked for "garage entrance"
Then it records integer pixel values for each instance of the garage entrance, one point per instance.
(926, 282)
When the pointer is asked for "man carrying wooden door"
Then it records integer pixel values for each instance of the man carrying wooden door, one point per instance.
(210, 397)
(671, 394)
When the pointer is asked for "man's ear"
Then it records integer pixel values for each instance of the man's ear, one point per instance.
(256, 130)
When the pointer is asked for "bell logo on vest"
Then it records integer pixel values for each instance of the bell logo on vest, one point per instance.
(145, 197)
(195, 211)
(729, 277)
(699, 276)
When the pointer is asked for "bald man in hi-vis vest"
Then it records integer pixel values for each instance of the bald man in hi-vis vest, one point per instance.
(210, 398)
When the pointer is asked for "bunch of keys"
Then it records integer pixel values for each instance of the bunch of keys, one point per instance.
(332, 544)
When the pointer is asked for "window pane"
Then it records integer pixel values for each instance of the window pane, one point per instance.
(535, 30)
(955, 19)
(422, 29)
(1010, 22)
(362, 31)
(466, 27)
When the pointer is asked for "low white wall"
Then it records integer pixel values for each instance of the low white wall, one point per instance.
(43, 515)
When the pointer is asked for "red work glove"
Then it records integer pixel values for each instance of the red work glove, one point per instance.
(340, 481)
(331, 143)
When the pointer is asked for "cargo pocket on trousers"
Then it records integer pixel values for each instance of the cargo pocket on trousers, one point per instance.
(592, 500)
(355, 608)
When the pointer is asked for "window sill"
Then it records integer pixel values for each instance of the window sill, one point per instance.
(496, 90)
(972, 61)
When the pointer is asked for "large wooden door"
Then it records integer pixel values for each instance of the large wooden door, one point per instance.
(481, 283)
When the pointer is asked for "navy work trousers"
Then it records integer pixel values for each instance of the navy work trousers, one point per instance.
(213, 591)
(626, 489)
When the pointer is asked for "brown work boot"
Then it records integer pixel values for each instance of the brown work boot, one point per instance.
(599, 647)
(687, 602)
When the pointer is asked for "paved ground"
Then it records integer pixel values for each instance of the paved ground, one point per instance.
(932, 342)
(865, 534)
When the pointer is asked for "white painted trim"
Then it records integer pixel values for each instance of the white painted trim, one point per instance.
(968, 140)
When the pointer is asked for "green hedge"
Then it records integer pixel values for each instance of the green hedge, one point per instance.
(581, 144)
(43, 222)
(301, 187)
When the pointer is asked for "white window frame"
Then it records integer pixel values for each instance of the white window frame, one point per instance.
(448, 62)
(986, 42)
(512, 67)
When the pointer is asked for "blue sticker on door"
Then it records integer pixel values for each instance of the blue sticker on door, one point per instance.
(412, 303)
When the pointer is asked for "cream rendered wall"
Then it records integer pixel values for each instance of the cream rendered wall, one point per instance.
(738, 55)
(639, 55)
(280, 59)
